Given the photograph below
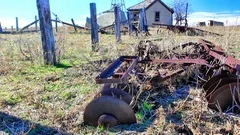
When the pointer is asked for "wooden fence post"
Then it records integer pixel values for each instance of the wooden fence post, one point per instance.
(94, 25)
(117, 23)
(1, 28)
(17, 24)
(75, 28)
(36, 26)
(142, 21)
(56, 23)
(47, 36)
(129, 16)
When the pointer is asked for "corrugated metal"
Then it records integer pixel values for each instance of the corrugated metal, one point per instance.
(107, 18)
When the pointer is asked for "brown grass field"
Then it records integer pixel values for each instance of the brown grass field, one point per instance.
(38, 99)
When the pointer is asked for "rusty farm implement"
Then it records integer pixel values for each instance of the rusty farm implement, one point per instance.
(127, 76)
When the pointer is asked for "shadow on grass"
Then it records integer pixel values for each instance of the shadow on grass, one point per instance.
(63, 66)
(12, 125)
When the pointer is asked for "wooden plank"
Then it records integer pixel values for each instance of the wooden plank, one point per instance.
(142, 21)
(79, 27)
(107, 75)
(56, 23)
(36, 23)
(94, 25)
(75, 28)
(25, 27)
(117, 23)
(1, 28)
(47, 37)
(129, 16)
(17, 28)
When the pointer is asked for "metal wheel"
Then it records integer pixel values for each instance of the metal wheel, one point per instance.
(223, 97)
(215, 79)
(106, 110)
(219, 83)
(118, 93)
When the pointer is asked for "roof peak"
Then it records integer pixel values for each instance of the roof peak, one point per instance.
(148, 3)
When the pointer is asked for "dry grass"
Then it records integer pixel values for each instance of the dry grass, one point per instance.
(55, 97)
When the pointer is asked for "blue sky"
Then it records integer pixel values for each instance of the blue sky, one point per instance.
(223, 10)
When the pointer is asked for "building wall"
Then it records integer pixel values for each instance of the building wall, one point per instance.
(165, 15)
(214, 23)
(135, 15)
(201, 24)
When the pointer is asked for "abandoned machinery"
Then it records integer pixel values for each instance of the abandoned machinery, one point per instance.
(215, 72)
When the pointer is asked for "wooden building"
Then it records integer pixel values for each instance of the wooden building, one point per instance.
(156, 11)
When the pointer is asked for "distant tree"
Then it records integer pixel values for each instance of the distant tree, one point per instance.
(181, 12)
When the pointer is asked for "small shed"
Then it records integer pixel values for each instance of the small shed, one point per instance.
(214, 23)
(156, 12)
(201, 24)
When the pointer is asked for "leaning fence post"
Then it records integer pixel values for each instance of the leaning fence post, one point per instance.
(129, 16)
(142, 20)
(1, 28)
(56, 23)
(48, 43)
(17, 24)
(75, 28)
(36, 27)
(12, 29)
(94, 26)
(117, 23)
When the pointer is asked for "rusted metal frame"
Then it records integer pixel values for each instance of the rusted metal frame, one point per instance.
(177, 61)
(228, 60)
(180, 61)
(184, 45)
(203, 43)
(105, 75)
(207, 44)
(215, 47)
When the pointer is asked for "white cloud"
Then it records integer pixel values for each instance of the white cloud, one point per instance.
(80, 22)
(83, 17)
(229, 18)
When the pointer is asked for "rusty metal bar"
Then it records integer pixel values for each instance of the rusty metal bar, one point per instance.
(109, 74)
(218, 53)
(228, 60)
(180, 61)
(208, 45)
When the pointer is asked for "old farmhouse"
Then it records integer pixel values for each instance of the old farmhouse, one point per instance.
(156, 12)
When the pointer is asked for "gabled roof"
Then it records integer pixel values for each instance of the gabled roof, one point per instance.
(148, 3)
